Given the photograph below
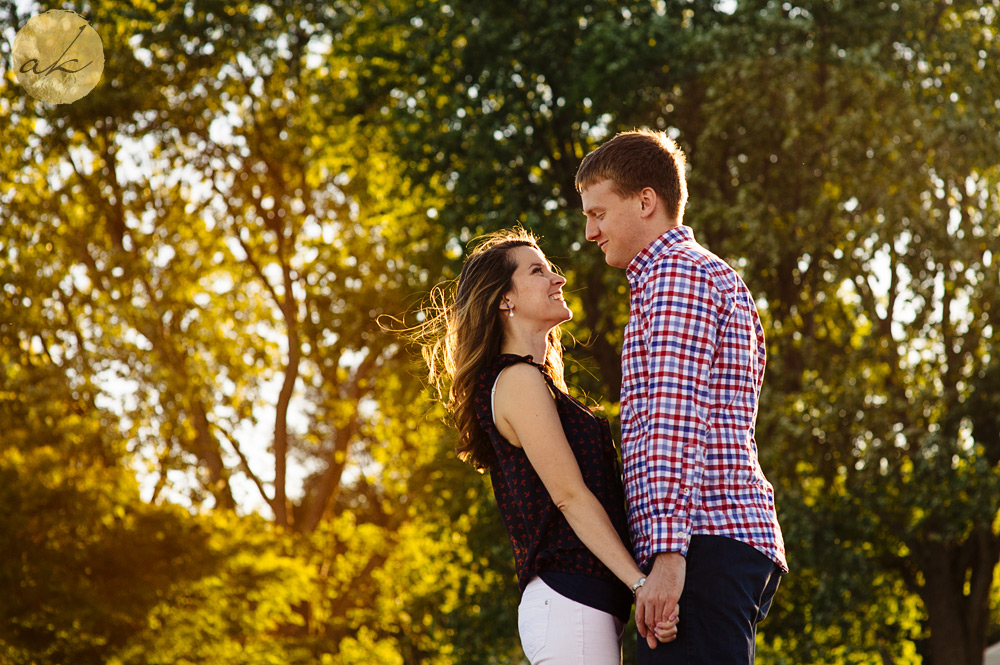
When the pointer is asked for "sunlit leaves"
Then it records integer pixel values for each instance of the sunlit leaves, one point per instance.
(252, 185)
(199, 253)
(843, 157)
(246, 609)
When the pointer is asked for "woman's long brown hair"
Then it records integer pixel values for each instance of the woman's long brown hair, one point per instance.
(464, 332)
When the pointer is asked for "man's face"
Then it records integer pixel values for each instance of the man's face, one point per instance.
(614, 223)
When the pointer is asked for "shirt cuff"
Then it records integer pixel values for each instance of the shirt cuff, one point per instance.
(670, 535)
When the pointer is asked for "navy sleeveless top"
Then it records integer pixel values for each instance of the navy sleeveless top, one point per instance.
(544, 543)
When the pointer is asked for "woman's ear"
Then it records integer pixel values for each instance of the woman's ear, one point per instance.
(506, 306)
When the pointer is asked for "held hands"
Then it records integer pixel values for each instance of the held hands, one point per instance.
(667, 631)
(657, 611)
(664, 631)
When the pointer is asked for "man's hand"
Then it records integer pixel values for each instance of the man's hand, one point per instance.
(658, 597)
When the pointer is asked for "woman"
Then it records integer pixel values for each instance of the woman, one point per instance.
(494, 355)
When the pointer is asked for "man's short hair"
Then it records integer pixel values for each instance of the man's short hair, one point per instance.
(635, 160)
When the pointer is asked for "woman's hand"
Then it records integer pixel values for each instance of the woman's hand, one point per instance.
(666, 631)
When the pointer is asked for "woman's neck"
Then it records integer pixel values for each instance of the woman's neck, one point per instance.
(534, 345)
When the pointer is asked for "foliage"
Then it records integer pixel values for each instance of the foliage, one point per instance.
(201, 246)
(844, 158)
(83, 558)
(193, 258)
(246, 610)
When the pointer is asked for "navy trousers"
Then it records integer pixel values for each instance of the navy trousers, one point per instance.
(728, 589)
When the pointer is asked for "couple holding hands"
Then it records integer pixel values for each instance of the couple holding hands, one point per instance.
(685, 526)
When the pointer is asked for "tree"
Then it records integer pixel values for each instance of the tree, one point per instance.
(218, 237)
(203, 243)
(877, 281)
(497, 103)
(843, 157)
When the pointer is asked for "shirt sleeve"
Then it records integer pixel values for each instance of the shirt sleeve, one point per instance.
(680, 334)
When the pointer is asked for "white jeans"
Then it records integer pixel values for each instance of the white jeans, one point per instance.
(558, 631)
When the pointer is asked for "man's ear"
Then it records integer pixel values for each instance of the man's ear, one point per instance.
(647, 201)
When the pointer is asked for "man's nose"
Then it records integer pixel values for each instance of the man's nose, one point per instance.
(591, 232)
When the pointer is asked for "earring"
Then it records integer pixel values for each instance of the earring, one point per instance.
(510, 311)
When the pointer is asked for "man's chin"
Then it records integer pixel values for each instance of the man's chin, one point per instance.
(614, 262)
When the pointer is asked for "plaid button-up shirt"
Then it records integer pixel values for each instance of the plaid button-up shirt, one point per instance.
(692, 365)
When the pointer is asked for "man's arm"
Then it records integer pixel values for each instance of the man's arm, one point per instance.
(680, 334)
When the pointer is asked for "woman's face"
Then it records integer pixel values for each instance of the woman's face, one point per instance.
(536, 294)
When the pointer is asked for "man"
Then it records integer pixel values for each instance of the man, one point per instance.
(700, 510)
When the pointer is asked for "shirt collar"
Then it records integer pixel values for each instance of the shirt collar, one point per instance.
(637, 267)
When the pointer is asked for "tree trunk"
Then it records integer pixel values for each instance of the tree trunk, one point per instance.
(281, 435)
(957, 582)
